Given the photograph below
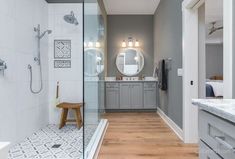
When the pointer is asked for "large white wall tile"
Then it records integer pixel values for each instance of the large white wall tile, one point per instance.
(6, 7)
(71, 79)
(22, 112)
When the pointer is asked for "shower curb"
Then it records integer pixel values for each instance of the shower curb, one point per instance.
(93, 148)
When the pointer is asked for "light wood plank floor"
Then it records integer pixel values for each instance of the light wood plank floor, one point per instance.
(142, 136)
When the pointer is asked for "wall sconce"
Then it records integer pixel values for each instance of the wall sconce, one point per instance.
(137, 44)
(124, 43)
(130, 43)
(91, 44)
(97, 45)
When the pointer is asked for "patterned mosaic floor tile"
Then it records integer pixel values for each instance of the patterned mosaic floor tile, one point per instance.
(53, 143)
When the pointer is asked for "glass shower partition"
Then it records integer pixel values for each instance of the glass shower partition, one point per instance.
(94, 73)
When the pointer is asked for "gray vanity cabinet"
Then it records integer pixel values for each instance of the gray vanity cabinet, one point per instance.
(218, 134)
(206, 152)
(131, 96)
(112, 96)
(150, 95)
(136, 93)
(125, 96)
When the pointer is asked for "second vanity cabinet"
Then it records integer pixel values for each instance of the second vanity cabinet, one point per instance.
(217, 137)
(131, 95)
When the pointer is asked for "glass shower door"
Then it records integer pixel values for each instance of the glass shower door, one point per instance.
(94, 65)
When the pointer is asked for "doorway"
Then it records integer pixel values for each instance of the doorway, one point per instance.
(191, 62)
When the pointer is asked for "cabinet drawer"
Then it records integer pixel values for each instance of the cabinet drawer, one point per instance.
(150, 85)
(206, 153)
(112, 85)
(218, 134)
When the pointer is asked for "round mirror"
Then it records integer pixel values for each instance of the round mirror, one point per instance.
(130, 61)
(94, 58)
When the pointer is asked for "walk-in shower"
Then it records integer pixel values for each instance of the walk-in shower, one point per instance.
(70, 18)
(37, 59)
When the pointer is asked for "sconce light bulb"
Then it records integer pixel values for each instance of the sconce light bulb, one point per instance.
(130, 44)
(97, 45)
(90, 44)
(123, 43)
(137, 44)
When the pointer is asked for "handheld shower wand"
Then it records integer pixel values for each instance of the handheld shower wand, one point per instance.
(37, 59)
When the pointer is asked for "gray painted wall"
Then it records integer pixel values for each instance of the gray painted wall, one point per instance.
(202, 52)
(168, 44)
(214, 60)
(120, 27)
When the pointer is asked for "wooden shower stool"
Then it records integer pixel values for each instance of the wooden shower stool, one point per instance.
(65, 108)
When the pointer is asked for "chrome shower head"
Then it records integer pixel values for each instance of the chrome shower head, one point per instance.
(71, 18)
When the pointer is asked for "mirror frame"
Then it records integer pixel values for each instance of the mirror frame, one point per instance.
(98, 50)
(138, 51)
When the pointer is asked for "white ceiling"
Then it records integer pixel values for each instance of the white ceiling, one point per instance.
(131, 7)
(214, 12)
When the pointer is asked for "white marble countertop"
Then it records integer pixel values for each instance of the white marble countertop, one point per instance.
(224, 108)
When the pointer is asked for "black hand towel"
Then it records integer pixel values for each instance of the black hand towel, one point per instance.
(164, 76)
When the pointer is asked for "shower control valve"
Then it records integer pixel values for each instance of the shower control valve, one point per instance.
(3, 66)
(36, 59)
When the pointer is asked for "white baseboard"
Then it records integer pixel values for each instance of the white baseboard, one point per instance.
(93, 148)
(178, 131)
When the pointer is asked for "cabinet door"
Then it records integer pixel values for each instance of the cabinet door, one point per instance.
(150, 95)
(136, 95)
(206, 152)
(112, 98)
(125, 101)
(150, 101)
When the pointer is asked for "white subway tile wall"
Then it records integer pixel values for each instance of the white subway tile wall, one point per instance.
(22, 113)
(70, 79)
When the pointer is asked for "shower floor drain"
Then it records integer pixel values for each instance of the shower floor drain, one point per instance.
(56, 146)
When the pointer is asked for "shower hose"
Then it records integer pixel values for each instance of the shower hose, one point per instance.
(31, 80)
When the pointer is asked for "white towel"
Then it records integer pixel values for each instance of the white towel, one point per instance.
(217, 88)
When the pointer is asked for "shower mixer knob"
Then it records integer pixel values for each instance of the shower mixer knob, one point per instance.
(36, 59)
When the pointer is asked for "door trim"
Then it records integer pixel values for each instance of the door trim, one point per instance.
(190, 63)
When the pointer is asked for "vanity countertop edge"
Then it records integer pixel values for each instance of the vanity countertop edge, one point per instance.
(224, 108)
(121, 81)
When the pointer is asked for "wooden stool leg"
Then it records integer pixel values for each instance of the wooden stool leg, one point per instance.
(78, 117)
(63, 118)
